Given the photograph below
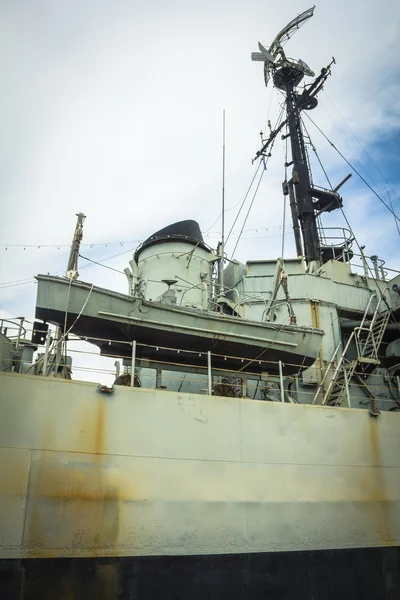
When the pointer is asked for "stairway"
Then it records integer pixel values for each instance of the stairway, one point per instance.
(367, 338)
(370, 346)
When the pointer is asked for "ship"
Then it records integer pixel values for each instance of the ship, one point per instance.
(249, 445)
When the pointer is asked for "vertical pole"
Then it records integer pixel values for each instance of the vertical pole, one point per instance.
(72, 266)
(158, 379)
(398, 384)
(281, 381)
(374, 260)
(364, 263)
(46, 354)
(117, 366)
(209, 382)
(57, 353)
(346, 383)
(133, 363)
(21, 323)
(222, 249)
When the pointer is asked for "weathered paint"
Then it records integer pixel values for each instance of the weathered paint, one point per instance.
(84, 496)
(384, 514)
(149, 472)
(348, 574)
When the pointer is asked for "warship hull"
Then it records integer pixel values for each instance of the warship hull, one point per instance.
(370, 573)
(147, 493)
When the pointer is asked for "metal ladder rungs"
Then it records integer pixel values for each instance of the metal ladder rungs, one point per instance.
(368, 341)
(368, 360)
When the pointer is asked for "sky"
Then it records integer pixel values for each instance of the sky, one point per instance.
(114, 108)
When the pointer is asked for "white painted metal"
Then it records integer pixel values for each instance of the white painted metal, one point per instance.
(147, 472)
(158, 379)
(133, 363)
(281, 382)
(189, 265)
(46, 355)
(277, 342)
(209, 374)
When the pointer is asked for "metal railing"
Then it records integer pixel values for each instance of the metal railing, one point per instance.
(208, 377)
(15, 325)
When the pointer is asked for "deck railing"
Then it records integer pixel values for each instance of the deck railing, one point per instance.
(252, 380)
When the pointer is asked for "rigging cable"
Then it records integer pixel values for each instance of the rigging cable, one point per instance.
(32, 279)
(284, 196)
(251, 183)
(373, 276)
(319, 220)
(59, 246)
(98, 264)
(261, 161)
(316, 154)
(391, 204)
(248, 212)
(362, 147)
(232, 207)
(354, 169)
(353, 152)
(244, 200)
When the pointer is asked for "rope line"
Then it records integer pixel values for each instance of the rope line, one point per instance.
(362, 147)
(353, 169)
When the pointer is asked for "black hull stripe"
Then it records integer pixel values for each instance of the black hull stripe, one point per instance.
(367, 574)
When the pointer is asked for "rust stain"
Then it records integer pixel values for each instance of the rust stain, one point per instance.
(316, 322)
(315, 314)
(72, 505)
(74, 499)
(380, 503)
(91, 428)
(14, 471)
(100, 427)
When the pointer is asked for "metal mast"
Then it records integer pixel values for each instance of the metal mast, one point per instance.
(305, 200)
(289, 77)
(72, 267)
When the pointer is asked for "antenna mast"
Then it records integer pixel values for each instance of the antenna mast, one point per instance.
(286, 75)
(222, 244)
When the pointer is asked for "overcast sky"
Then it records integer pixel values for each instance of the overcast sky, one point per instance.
(114, 108)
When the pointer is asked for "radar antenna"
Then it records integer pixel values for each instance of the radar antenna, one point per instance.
(275, 56)
(307, 202)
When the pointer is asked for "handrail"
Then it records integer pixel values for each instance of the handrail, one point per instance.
(195, 373)
(234, 375)
(21, 329)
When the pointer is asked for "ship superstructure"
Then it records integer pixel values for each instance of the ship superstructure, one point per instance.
(249, 446)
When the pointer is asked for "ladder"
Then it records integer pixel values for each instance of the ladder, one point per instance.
(367, 338)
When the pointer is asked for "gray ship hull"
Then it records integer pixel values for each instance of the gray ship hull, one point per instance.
(146, 494)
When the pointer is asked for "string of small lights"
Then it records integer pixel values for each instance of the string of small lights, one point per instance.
(123, 243)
